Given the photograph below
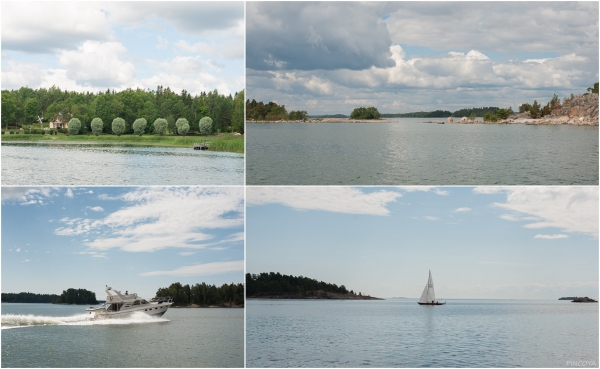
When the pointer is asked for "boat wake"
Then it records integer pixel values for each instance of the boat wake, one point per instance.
(10, 321)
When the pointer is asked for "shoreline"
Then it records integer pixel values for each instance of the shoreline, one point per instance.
(223, 142)
(317, 295)
(195, 306)
(322, 120)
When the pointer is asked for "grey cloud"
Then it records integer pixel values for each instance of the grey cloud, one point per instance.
(309, 35)
(562, 27)
(186, 16)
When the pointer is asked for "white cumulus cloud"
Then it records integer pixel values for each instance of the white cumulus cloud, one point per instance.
(335, 199)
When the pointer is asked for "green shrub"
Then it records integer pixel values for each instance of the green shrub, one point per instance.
(160, 126)
(11, 133)
(182, 126)
(74, 126)
(205, 126)
(118, 126)
(365, 113)
(490, 117)
(97, 126)
(139, 126)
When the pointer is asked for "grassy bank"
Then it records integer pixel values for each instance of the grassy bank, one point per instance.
(221, 142)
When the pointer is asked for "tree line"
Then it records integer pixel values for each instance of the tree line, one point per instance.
(265, 284)
(28, 297)
(78, 296)
(204, 294)
(71, 296)
(24, 106)
(271, 111)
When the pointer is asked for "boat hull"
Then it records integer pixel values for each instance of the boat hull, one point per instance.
(431, 303)
(153, 310)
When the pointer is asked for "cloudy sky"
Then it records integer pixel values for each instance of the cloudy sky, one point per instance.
(331, 57)
(92, 46)
(514, 242)
(136, 239)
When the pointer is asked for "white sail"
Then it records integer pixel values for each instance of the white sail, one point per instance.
(428, 294)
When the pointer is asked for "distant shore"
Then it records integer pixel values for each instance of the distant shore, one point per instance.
(316, 295)
(322, 120)
(195, 306)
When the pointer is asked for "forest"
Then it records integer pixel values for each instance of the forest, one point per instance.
(259, 111)
(265, 284)
(203, 294)
(22, 107)
(28, 297)
(78, 296)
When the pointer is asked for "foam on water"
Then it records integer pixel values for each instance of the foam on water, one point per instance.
(21, 321)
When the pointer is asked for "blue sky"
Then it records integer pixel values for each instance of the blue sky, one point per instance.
(331, 57)
(197, 46)
(515, 242)
(136, 239)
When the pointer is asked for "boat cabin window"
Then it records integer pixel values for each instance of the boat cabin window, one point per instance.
(136, 302)
(115, 307)
(144, 302)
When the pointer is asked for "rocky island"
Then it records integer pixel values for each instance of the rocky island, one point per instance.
(578, 110)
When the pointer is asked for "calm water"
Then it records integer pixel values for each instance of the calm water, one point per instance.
(400, 333)
(108, 164)
(411, 153)
(61, 336)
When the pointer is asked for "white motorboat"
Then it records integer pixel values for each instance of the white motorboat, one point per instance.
(428, 295)
(120, 305)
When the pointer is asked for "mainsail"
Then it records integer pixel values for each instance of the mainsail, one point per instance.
(428, 293)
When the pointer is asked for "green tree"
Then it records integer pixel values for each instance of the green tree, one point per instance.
(237, 117)
(205, 126)
(9, 107)
(503, 113)
(32, 109)
(118, 126)
(525, 107)
(171, 123)
(534, 110)
(74, 126)
(182, 126)
(139, 126)
(490, 117)
(365, 113)
(97, 126)
(160, 126)
(594, 89)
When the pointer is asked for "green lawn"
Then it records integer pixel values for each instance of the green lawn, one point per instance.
(220, 142)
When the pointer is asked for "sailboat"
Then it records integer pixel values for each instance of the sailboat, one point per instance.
(428, 295)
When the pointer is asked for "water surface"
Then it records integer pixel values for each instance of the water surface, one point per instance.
(42, 163)
(45, 335)
(411, 153)
(401, 333)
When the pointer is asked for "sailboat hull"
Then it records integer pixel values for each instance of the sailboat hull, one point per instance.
(431, 303)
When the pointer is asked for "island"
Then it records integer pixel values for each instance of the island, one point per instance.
(584, 299)
(280, 286)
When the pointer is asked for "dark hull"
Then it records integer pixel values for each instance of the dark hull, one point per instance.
(431, 303)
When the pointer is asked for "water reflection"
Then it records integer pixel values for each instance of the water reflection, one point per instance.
(110, 164)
